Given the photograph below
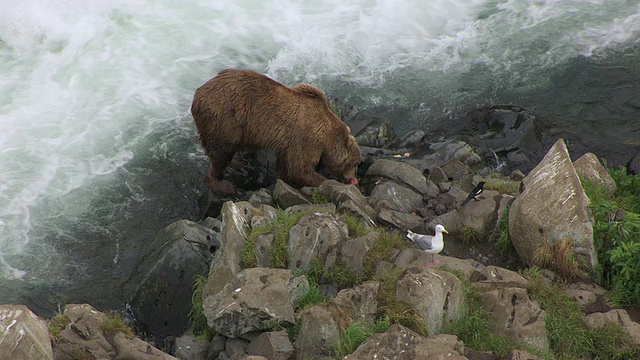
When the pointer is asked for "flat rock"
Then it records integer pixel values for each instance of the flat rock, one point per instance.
(23, 335)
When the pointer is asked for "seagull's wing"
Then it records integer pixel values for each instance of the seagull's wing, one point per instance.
(424, 242)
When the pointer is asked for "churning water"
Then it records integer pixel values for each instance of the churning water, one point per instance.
(96, 138)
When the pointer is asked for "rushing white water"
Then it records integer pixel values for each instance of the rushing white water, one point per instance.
(84, 85)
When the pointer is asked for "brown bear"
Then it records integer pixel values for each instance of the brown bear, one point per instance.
(242, 110)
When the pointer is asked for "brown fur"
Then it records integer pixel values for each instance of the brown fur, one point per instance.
(241, 110)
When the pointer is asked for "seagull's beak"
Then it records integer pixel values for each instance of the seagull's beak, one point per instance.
(445, 231)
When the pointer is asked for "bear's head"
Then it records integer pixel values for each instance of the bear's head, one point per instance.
(343, 160)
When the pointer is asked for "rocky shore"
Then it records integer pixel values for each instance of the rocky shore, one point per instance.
(260, 258)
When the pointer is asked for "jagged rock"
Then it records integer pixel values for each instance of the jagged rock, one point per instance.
(459, 173)
(188, 347)
(165, 275)
(588, 167)
(235, 348)
(394, 196)
(328, 208)
(23, 335)
(508, 133)
(441, 153)
(266, 215)
(273, 345)
(436, 296)
(615, 316)
(225, 266)
(320, 332)
(261, 197)
(376, 134)
(409, 140)
(286, 196)
(400, 220)
(513, 315)
(399, 172)
(495, 277)
(517, 175)
(552, 207)
(400, 343)
(298, 287)
(354, 251)
(340, 193)
(257, 299)
(216, 346)
(361, 302)
(351, 207)
(84, 335)
(136, 349)
(585, 294)
(315, 236)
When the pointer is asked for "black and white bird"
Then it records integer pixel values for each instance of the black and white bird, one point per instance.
(474, 193)
(431, 244)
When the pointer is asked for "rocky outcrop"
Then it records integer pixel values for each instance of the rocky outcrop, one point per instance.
(23, 335)
(164, 277)
(615, 316)
(86, 336)
(552, 207)
(401, 343)
(257, 299)
(589, 167)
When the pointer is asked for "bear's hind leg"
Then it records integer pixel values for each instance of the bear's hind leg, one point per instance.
(214, 178)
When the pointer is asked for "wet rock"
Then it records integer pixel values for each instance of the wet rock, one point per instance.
(165, 275)
(23, 335)
(552, 207)
(376, 134)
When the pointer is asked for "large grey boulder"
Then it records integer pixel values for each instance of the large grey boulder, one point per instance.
(320, 332)
(236, 218)
(394, 196)
(165, 275)
(513, 315)
(273, 345)
(348, 197)
(256, 299)
(23, 336)
(361, 302)
(315, 236)
(399, 172)
(400, 343)
(552, 207)
(436, 296)
(589, 167)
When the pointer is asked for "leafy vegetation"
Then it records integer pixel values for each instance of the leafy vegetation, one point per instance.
(617, 235)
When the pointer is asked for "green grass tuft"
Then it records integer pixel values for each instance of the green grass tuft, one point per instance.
(469, 234)
(57, 324)
(354, 335)
(355, 225)
(114, 323)
(382, 250)
(503, 243)
(197, 320)
(503, 186)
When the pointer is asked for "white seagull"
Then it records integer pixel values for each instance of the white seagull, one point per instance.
(431, 244)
